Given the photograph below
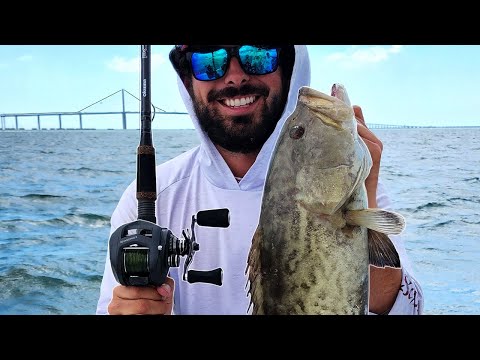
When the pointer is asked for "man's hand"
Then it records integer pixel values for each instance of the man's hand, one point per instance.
(375, 147)
(384, 282)
(143, 300)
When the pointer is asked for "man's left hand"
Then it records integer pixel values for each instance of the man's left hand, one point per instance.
(375, 147)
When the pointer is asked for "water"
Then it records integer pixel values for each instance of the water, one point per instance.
(58, 189)
(434, 180)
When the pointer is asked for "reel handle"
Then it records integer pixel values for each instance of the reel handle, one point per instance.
(211, 277)
(214, 218)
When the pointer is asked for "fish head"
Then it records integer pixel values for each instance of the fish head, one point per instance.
(326, 154)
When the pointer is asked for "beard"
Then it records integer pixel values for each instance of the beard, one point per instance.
(240, 134)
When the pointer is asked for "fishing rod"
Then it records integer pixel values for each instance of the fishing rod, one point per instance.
(141, 252)
(146, 176)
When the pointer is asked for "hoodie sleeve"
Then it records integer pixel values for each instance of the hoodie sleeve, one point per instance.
(409, 300)
(126, 211)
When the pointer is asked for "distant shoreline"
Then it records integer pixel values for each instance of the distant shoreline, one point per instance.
(77, 129)
(377, 127)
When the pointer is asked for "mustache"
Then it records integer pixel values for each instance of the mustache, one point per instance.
(248, 89)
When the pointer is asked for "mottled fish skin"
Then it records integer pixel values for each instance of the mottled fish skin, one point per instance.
(304, 258)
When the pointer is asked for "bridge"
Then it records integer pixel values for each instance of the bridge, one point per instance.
(389, 126)
(82, 114)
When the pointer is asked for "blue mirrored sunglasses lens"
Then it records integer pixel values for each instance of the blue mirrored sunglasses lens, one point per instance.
(209, 66)
(258, 61)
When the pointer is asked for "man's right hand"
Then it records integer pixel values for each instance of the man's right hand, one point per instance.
(143, 300)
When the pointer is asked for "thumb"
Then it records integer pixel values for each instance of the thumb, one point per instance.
(167, 288)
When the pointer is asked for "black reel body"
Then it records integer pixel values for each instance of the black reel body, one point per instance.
(141, 252)
(141, 257)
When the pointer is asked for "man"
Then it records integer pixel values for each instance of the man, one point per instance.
(238, 98)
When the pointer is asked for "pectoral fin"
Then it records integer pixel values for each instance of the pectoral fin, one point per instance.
(384, 221)
(379, 223)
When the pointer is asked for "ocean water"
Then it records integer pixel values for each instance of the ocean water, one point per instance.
(58, 189)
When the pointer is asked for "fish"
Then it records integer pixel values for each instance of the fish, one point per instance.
(316, 236)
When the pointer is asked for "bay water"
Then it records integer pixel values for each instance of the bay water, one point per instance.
(58, 189)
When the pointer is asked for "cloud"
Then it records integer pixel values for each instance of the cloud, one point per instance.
(25, 58)
(355, 56)
(132, 65)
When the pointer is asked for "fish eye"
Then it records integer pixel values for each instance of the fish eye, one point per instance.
(297, 131)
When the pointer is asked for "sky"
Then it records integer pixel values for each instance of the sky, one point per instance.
(419, 85)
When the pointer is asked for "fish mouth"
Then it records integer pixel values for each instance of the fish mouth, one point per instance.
(331, 110)
(339, 92)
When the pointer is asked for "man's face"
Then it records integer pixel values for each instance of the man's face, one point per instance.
(239, 111)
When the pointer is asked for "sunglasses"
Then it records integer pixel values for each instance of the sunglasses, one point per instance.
(211, 63)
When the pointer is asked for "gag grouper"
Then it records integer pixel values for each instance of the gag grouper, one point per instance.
(316, 235)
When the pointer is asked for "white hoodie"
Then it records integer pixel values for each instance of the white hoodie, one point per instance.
(199, 179)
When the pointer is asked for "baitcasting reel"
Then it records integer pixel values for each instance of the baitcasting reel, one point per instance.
(142, 252)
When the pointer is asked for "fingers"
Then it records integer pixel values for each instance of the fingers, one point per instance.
(136, 292)
(363, 130)
(359, 114)
(375, 147)
(139, 307)
(128, 300)
(375, 151)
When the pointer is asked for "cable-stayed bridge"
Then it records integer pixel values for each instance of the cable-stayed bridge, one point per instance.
(12, 121)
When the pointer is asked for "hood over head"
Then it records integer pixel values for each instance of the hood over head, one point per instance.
(213, 164)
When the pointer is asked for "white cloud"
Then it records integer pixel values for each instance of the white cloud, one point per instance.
(25, 58)
(357, 56)
(132, 65)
